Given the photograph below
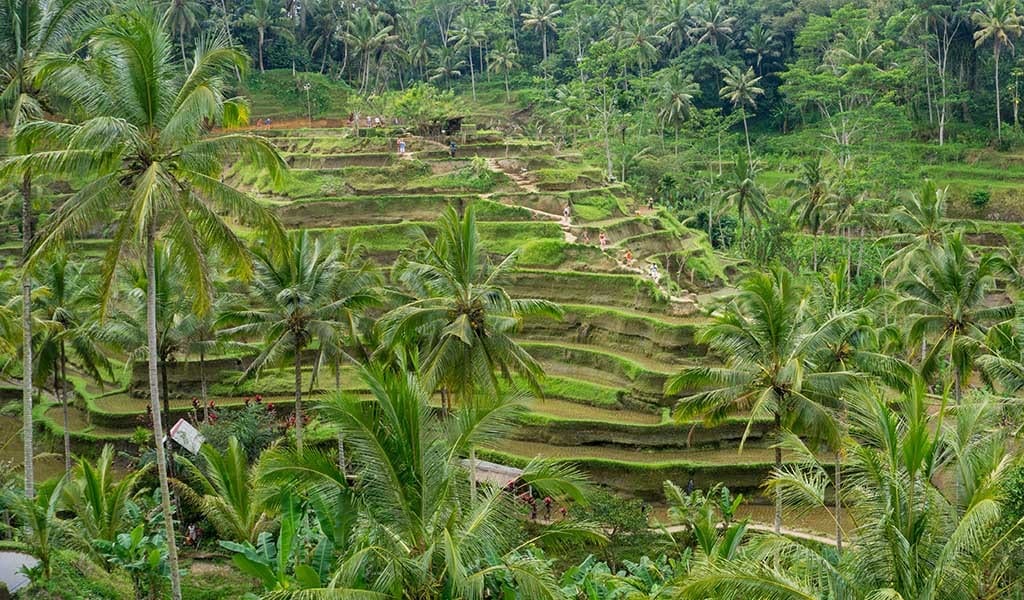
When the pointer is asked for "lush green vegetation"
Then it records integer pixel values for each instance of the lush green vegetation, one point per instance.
(631, 299)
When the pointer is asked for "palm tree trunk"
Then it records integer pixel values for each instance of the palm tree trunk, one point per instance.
(298, 399)
(341, 436)
(746, 134)
(259, 46)
(999, 117)
(837, 483)
(26, 332)
(814, 251)
(154, 399)
(508, 94)
(202, 384)
(166, 397)
(544, 43)
(472, 475)
(778, 465)
(181, 42)
(63, 392)
(472, 73)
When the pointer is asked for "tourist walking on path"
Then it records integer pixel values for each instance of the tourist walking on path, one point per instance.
(603, 239)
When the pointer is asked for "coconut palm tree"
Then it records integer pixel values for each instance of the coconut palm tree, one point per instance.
(775, 363)
(741, 90)
(145, 153)
(364, 33)
(66, 300)
(999, 22)
(761, 44)
(416, 531)
(448, 67)
(915, 538)
(541, 18)
(459, 316)
(740, 189)
(813, 187)
(675, 100)
(296, 307)
(470, 33)
(920, 224)
(263, 17)
(675, 14)
(101, 500)
(226, 491)
(641, 41)
(946, 301)
(503, 59)
(183, 16)
(711, 25)
(29, 30)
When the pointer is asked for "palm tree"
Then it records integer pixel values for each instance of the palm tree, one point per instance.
(365, 32)
(263, 18)
(914, 538)
(29, 29)
(541, 18)
(711, 25)
(642, 43)
(296, 308)
(226, 491)
(448, 66)
(66, 298)
(327, 23)
(999, 22)
(101, 501)
(741, 90)
(814, 188)
(920, 223)
(675, 14)
(947, 305)
(741, 190)
(144, 151)
(775, 363)
(43, 531)
(182, 16)
(675, 98)
(422, 534)
(503, 59)
(458, 314)
(176, 322)
(761, 44)
(470, 33)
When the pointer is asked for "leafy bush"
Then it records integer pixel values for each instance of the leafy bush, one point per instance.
(254, 426)
(979, 198)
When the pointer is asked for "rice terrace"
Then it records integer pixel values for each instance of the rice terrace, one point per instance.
(463, 300)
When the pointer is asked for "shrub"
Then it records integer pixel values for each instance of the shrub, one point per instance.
(979, 198)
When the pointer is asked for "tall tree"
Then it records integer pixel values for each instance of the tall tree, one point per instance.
(675, 14)
(541, 18)
(503, 59)
(29, 29)
(999, 22)
(675, 100)
(459, 315)
(296, 308)
(743, 192)
(144, 150)
(946, 300)
(813, 187)
(183, 16)
(67, 300)
(263, 16)
(775, 363)
(470, 33)
(741, 90)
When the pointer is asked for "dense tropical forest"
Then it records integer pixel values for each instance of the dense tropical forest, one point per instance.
(634, 299)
